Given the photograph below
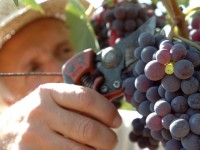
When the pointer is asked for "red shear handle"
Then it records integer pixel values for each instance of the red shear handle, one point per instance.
(83, 65)
(79, 65)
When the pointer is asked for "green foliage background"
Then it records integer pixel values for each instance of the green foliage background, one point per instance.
(81, 33)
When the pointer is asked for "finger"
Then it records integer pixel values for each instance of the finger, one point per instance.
(85, 100)
(60, 142)
(83, 129)
(39, 136)
(54, 141)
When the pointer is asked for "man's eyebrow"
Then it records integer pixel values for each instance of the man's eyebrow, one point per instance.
(64, 43)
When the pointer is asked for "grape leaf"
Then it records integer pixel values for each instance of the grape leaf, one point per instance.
(16, 2)
(81, 32)
(183, 2)
(33, 5)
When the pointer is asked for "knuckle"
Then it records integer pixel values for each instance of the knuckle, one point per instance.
(85, 98)
(87, 129)
(79, 148)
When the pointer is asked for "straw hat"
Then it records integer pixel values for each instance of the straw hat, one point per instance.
(12, 18)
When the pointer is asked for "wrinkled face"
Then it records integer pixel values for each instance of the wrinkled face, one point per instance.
(41, 46)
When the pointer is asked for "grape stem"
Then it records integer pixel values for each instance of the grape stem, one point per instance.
(177, 17)
(192, 10)
(186, 41)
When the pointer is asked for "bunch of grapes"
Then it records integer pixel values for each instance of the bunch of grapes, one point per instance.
(165, 89)
(99, 26)
(142, 135)
(194, 27)
(114, 23)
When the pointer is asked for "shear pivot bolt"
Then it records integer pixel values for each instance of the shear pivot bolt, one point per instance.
(116, 84)
(104, 89)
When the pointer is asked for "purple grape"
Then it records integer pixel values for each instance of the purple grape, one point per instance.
(143, 142)
(118, 24)
(194, 57)
(173, 145)
(139, 22)
(179, 104)
(151, 106)
(191, 142)
(179, 128)
(171, 83)
(132, 11)
(128, 86)
(192, 111)
(130, 25)
(158, 39)
(147, 53)
(194, 100)
(178, 52)
(154, 70)
(119, 12)
(152, 94)
(157, 135)
(139, 67)
(197, 75)
(161, 91)
(137, 52)
(162, 108)
(183, 69)
(169, 96)
(184, 116)
(166, 134)
(153, 141)
(146, 39)
(144, 109)
(146, 132)
(194, 122)
(134, 103)
(167, 120)
(190, 86)
(142, 13)
(109, 16)
(139, 96)
(133, 137)
(153, 122)
(166, 44)
(163, 56)
(142, 83)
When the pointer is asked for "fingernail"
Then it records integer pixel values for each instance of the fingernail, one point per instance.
(117, 121)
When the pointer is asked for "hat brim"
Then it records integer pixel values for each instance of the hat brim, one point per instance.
(14, 21)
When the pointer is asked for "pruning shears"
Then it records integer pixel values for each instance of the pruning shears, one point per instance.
(102, 71)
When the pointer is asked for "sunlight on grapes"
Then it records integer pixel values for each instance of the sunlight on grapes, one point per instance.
(169, 69)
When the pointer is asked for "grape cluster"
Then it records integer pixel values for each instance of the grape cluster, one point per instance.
(99, 26)
(194, 27)
(142, 135)
(123, 19)
(114, 23)
(164, 88)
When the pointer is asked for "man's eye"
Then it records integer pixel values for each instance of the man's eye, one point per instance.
(34, 68)
(64, 53)
(65, 50)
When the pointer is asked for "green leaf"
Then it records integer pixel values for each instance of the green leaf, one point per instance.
(155, 1)
(33, 5)
(16, 2)
(183, 2)
(81, 32)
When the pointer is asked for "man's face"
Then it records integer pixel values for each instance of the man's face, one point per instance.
(41, 46)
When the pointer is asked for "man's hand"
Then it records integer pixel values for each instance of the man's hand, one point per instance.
(60, 116)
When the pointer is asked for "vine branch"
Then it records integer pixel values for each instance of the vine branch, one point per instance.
(177, 17)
